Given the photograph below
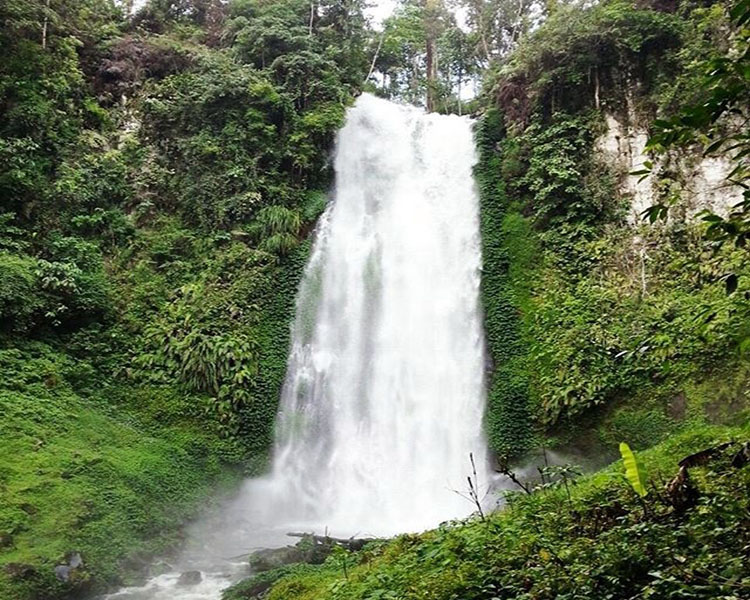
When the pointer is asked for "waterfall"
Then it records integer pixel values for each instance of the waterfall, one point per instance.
(384, 394)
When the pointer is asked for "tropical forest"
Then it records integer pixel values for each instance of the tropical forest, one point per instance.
(375, 300)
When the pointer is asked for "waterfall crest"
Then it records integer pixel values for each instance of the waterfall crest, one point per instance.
(384, 394)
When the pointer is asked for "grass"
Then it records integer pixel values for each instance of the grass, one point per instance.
(92, 474)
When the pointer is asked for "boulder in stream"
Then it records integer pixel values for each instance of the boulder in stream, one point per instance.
(311, 549)
(273, 558)
(190, 578)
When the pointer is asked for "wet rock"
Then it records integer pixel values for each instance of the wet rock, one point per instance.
(159, 568)
(273, 558)
(190, 578)
(74, 560)
(311, 549)
(249, 589)
(678, 407)
(72, 569)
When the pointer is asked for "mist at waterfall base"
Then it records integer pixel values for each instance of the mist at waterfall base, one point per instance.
(384, 394)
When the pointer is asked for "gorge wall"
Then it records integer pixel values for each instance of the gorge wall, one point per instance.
(702, 179)
(602, 326)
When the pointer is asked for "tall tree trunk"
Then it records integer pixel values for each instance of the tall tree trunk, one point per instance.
(45, 25)
(431, 58)
(597, 102)
(460, 80)
(431, 74)
(375, 57)
(482, 31)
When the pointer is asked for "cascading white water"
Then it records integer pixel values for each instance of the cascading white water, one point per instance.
(384, 395)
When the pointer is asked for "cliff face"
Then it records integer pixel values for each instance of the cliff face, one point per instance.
(703, 181)
(602, 326)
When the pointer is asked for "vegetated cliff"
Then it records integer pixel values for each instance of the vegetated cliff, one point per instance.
(602, 325)
(159, 176)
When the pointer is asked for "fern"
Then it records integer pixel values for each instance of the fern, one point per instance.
(278, 219)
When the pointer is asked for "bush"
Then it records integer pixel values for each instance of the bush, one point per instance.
(19, 291)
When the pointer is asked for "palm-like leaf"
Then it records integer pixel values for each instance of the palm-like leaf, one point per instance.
(633, 471)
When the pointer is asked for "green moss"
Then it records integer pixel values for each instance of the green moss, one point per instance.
(640, 428)
(83, 474)
(273, 335)
(507, 257)
(254, 587)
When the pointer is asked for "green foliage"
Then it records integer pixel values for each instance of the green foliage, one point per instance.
(597, 541)
(640, 426)
(19, 298)
(276, 311)
(249, 126)
(92, 471)
(633, 471)
(423, 57)
(11, 236)
(580, 58)
(558, 162)
(717, 122)
(508, 252)
(278, 228)
(191, 351)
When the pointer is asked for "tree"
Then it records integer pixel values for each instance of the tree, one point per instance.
(432, 17)
(497, 25)
(422, 56)
(719, 121)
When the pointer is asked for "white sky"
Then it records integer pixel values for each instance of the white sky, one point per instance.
(380, 10)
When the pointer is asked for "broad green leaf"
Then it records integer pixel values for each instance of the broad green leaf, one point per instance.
(632, 470)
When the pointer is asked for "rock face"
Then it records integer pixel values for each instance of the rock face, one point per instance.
(273, 558)
(311, 549)
(71, 569)
(702, 179)
(62, 572)
(190, 578)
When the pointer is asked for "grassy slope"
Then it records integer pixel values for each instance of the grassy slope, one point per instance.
(82, 471)
(107, 458)
(602, 542)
